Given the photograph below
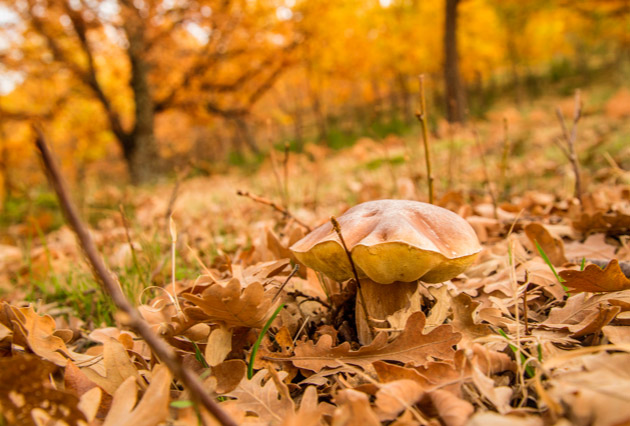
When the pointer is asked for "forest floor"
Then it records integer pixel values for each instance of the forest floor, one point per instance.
(533, 333)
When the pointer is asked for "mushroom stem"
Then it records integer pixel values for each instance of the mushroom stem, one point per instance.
(381, 301)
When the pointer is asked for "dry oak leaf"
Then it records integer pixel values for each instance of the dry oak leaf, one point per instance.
(153, 408)
(25, 389)
(598, 396)
(552, 246)
(230, 305)
(36, 333)
(411, 346)
(594, 279)
(270, 405)
(395, 397)
(463, 320)
(118, 367)
(354, 410)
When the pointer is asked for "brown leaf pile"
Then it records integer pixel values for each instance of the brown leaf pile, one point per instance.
(507, 342)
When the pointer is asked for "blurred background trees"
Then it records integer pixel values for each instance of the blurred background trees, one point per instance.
(149, 84)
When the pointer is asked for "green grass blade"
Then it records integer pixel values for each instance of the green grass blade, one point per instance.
(528, 368)
(250, 367)
(548, 262)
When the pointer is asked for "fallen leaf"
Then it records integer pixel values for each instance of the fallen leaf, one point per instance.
(598, 396)
(395, 397)
(463, 320)
(230, 305)
(594, 279)
(354, 410)
(411, 346)
(118, 367)
(453, 410)
(152, 409)
(553, 247)
(263, 399)
(25, 387)
(490, 418)
(218, 346)
(36, 332)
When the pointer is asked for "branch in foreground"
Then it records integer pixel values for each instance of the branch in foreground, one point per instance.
(132, 317)
(274, 206)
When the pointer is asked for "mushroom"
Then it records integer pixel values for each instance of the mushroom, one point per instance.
(393, 244)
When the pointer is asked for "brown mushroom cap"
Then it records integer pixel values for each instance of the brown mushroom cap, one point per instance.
(392, 240)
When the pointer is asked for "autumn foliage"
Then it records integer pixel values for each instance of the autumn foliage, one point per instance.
(254, 123)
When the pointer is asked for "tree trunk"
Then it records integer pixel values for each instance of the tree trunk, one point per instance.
(455, 99)
(140, 147)
(245, 134)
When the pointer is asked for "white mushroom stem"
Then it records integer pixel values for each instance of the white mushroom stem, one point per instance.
(381, 301)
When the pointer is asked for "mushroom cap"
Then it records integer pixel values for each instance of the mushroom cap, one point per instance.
(392, 240)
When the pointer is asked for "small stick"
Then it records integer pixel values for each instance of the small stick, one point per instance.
(175, 192)
(421, 115)
(569, 139)
(134, 255)
(486, 175)
(285, 167)
(505, 156)
(337, 229)
(131, 316)
(525, 307)
(293, 272)
(274, 206)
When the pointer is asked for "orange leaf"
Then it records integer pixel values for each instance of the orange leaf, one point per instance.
(594, 279)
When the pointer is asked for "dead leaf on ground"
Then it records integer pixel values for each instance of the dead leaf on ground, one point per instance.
(25, 386)
(411, 346)
(230, 305)
(552, 246)
(353, 409)
(118, 367)
(152, 409)
(594, 279)
(270, 406)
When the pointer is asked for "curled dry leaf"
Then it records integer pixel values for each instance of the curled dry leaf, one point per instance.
(231, 305)
(218, 346)
(395, 397)
(37, 333)
(552, 246)
(594, 279)
(411, 346)
(453, 410)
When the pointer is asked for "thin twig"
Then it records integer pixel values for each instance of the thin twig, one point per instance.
(486, 175)
(421, 115)
(131, 316)
(134, 255)
(505, 155)
(293, 272)
(274, 206)
(569, 139)
(337, 229)
(175, 192)
(285, 169)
